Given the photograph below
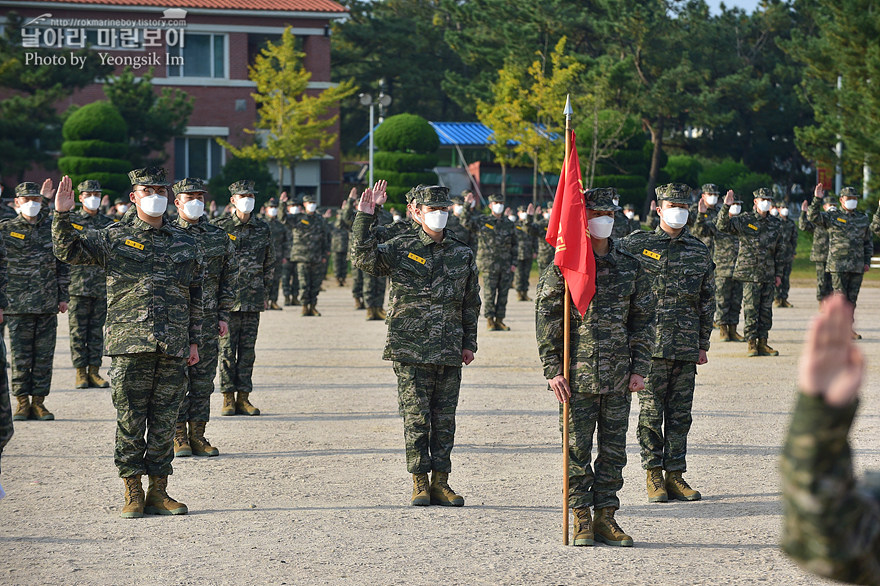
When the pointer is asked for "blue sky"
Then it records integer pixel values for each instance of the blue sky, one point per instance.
(747, 5)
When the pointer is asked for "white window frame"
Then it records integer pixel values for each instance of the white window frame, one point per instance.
(212, 34)
(209, 133)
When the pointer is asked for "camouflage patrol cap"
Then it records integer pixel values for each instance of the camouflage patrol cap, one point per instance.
(89, 185)
(27, 189)
(189, 185)
(674, 193)
(522, 208)
(148, 176)
(294, 200)
(710, 188)
(629, 207)
(433, 196)
(464, 193)
(412, 193)
(457, 199)
(763, 193)
(601, 199)
(496, 197)
(272, 203)
(245, 186)
(309, 199)
(848, 192)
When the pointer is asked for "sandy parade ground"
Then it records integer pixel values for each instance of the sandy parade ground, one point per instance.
(316, 490)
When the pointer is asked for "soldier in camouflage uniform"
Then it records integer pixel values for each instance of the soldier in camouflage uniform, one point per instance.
(629, 211)
(218, 294)
(682, 276)
(357, 275)
(281, 241)
(527, 234)
(830, 521)
(384, 228)
(758, 265)
(702, 216)
(429, 335)
(6, 429)
(255, 260)
(546, 251)
(154, 317)
(340, 230)
(88, 296)
(37, 290)
(653, 217)
(309, 246)
(789, 238)
(850, 244)
(728, 291)
(455, 225)
(496, 252)
(819, 249)
(289, 276)
(611, 352)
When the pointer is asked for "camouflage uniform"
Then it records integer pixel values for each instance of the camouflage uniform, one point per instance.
(289, 277)
(830, 522)
(6, 429)
(728, 291)
(682, 277)
(384, 228)
(37, 283)
(309, 246)
(281, 242)
(789, 240)
(459, 230)
(432, 318)
(818, 255)
(546, 252)
(850, 245)
(527, 234)
(154, 314)
(339, 248)
(622, 225)
(609, 343)
(357, 275)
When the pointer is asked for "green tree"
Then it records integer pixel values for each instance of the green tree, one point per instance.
(504, 116)
(407, 152)
(95, 147)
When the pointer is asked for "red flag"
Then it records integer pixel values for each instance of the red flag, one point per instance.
(567, 231)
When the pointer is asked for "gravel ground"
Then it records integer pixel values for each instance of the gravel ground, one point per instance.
(316, 490)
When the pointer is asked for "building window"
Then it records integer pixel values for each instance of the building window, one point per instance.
(203, 55)
(197, 157)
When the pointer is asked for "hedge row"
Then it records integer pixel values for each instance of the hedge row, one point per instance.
(94, 148)
(403, 162)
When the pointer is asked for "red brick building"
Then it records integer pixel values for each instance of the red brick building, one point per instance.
(202, 47)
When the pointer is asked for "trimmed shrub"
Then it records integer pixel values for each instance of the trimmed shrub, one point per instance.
(407, 151)
(404, 162)
(406, 133)
(93, 148)
(96, 147)
(86, 165)
(98, 120)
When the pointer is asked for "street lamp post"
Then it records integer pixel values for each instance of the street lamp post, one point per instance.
(367, 100)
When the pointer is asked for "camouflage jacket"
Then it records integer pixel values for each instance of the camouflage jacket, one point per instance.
(221, 270)
(434, 302)
(623, 226)
(527, 232)
(702, 225)
(546, 252)
(37, 281)
(460, 231)
(613, 340)
(726, 251)
(311, 238)
(761, 255)
(789, 235)
(850, 244)
(831, 524)
(683, 283)
(653, 220)
(281, 237)
(819, 250)
(4, 301)
(496, 240)
(255, 257)
(339, 232)
(88, 280)
(154, 282)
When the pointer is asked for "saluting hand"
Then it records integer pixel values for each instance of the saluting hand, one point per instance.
(728, 198)
(701, 206)
(379, 195)
(470, 199)
(804, 206)
(46, 190)
(366, 204)
(653, 205)
(819, 192)
(64, 201)
(531, 209)
(283, 197)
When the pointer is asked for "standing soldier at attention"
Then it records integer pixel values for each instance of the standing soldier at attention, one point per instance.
(218, 294)
(455, 225)
(728, 291)
(702, 216)
(339, 245)
(681, 272)
(527, 233)
(759, 265)
(789, 235)
(432, 329)
(6, 429)
(255, 259)
(88, 296)
(309, 246)
(289, 277)
(281, 242)
(154, 312)
(629, 211)
(37, 290)
(546, 251)
(496, 251)
(611, 353)
(819, 249)
(850, 244)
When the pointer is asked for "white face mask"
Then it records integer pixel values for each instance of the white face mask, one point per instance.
(396, 217)
(497, 208)
(774, 212)
(546, 215)
(31, 208)
(675, 218)
(296, 210)
(91, 202)
(512, 218)
(601, 226)
(616, 200)
(311, 207)
(711, 199)
(272, 212)
(153, 205)
(193, 209)
(764, 205)
(122, 208)
(831, 209)
(436, 220)
(850, 204)
(457, 209)
(629, 215)
(783, 212)
(735, 209)
(245, 204)
(522, 215)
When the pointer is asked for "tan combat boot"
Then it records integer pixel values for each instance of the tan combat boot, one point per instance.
(200, 444)
(134, 498)
(441, 494)
(583, 527)
(500, 326)
(305, 310)
(371, 315)
(182, 448)
(753, 348)
(82, 378)
(521, 296)
(856, 335)
(287, 301)
(608, 531)
(359, 303)
(294, 300)
(243, 406)
(95, 379)
(656, 489)
(39, 411)
(313, 311)
(274, 305)
(678, 488)
(724, 333)
(228, 404)
(490, 324)
(766, 350)
(23, 411)
(158, 502)
(420, 496)
(734, 335)
(380, 311)
(785, 303)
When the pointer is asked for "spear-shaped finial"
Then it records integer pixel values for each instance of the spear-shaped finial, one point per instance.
(567, 110)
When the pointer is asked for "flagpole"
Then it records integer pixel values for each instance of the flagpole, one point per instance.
(566, 351)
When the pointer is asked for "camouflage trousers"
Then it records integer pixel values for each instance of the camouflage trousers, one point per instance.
(523, 268)
(276, 281)
(374, 290)
(32, 342)
(428, 395)
(310, 275)
(196, 403)
(340, 265)
(597, 485)
(357, 283)
(847, 283)
(289, 279)
(757, 309)
(545, 257)
(237, 354)
(147, 390)
(823, 282)
(728, 300)
(86, 317)
(665, 414)
(785, 285)
(5, 407)
(495, 286)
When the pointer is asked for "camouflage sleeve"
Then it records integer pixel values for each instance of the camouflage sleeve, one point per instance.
(875, 223)
(815, 213)
(548, 320)
(196, 308)
(641, 324)
(328, 237)
(346, 219)
(805, 224)
(366, 252)
(77, 248)
(62, 272)
(4, 301)
(227, 283)
(470, 218)
(869, 246)
(780, 253)
(286, 241)
(793, 242)
(470, 309)
(725, 223)
(830, 526)
(707, 306)
(269, 262)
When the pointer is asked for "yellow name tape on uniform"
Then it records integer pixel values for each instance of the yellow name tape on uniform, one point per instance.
(306, 222)
(651, 254)
(753, 227)
(521, 228)
(77, 226)
(416, 258)
(490, 226)
(134, 244)
(232, 237)
(841, 220)
(17, 235)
